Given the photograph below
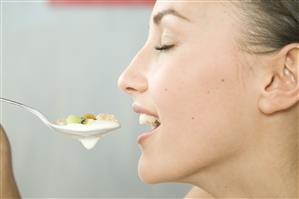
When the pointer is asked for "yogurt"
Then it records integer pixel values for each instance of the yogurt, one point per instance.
(88, 134)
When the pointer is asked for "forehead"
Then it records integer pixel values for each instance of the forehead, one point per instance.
(193, 10)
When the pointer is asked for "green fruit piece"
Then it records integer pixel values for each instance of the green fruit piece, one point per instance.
(73, 119)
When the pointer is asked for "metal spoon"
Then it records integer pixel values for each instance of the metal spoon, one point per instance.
(88, 135)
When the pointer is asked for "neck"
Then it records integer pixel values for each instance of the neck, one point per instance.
(267, 168)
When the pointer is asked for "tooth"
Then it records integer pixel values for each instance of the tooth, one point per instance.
(146, 119)
(142, 119)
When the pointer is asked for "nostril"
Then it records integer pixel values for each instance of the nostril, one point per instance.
(130, 90)
(132, 81)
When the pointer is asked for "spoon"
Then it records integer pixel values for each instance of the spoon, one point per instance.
(88, 135)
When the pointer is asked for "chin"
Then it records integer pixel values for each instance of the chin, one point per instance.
(150, 173)
(149, 177)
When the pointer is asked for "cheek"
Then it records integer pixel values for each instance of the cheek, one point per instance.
(197, 90)
(198, 105)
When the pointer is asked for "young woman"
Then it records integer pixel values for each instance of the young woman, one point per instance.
(221, 79)
(219, 82)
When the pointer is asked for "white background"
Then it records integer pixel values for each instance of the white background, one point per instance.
(64, 60)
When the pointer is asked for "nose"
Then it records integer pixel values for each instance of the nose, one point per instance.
(133, 79)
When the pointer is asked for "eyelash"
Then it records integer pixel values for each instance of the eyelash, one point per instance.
(164, 47)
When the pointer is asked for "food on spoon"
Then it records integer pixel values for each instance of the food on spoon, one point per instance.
(105, 116)
(88, 129)
(74, 119)
(87, 119)
(60, 122)
(89, 116)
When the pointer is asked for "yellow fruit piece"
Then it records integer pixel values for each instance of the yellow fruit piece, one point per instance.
(90, 116)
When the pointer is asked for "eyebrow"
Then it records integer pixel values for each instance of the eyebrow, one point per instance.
(159, 16)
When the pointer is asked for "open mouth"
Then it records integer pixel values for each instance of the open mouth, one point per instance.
(151, 120)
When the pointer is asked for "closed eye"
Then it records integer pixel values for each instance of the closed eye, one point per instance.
(164, 47)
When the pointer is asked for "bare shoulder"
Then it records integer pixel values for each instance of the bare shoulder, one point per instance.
(197, 193)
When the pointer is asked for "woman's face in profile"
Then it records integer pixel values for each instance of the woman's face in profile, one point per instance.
(193, 76)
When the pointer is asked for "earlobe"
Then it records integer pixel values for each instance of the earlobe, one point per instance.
(281, 91)
(271, 102)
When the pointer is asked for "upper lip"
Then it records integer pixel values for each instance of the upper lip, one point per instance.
(139, 109)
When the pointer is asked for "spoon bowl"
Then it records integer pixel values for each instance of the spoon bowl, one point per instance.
(88, 135)
(95, 129)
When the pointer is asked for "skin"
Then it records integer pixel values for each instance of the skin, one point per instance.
(229, 119)
(8, 187)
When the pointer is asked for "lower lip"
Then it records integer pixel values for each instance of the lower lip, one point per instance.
(141, 138)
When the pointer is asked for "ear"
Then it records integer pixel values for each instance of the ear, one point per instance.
(281, 92)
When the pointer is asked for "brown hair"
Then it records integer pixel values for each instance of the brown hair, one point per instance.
(270, 24)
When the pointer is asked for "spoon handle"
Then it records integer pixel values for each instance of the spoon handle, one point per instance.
(32, 110)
